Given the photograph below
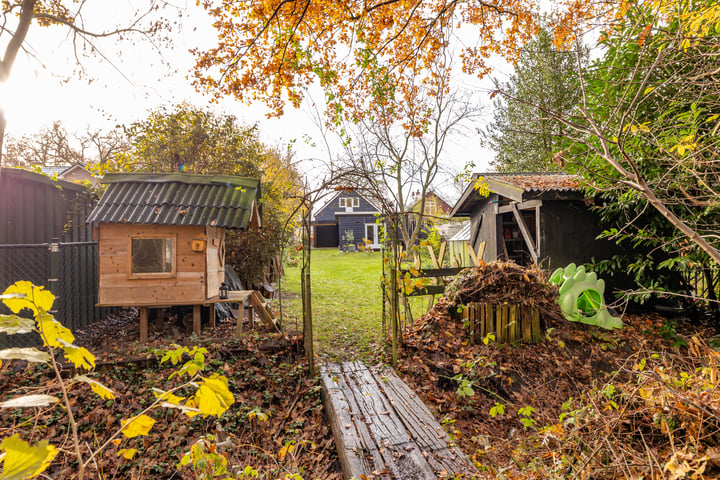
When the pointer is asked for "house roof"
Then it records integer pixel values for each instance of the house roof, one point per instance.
(516, 186)
(432, 193)
(56, 170)
(177, 199)
(40, 178)
(344, 192)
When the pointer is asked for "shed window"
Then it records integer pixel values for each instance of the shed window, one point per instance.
(349, 202)
(154, 256)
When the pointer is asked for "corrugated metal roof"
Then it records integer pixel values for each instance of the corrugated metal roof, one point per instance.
(463, 235)
(537, 181)
(177, 199)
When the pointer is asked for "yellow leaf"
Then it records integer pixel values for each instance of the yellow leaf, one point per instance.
(97, 387)
(21, 460)
(648, 90)
(128, 453)
(288, 448)
(34, 297)
(191, 404)
(139, 426)
(79, 356)
(53, 331)
(213, 397)
(167, 396)
(116, 442)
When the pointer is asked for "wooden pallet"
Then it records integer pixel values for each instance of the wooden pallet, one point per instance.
(382, 430)
(261, 307)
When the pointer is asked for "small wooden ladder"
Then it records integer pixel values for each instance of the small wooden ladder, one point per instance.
(261, 307)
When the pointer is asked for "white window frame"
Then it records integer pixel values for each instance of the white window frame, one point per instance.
(173, 256)
(375, 242)
(349, 202)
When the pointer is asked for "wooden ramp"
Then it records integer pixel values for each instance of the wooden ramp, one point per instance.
(383, 430)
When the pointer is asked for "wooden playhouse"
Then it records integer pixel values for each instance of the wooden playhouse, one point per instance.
(161, 239)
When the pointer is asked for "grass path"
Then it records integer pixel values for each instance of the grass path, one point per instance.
(347, 303)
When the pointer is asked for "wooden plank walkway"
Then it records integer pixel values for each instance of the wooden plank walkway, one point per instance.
(383, 430)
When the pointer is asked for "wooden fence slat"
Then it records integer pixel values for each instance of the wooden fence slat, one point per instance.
(536, 332)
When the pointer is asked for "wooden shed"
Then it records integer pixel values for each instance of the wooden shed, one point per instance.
(161, 237)
(541, 218)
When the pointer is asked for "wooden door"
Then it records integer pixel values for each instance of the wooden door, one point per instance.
(215, 263)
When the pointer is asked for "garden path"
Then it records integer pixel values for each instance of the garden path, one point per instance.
(382, 429)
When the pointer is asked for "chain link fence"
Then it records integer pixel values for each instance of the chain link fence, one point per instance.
(69, 270)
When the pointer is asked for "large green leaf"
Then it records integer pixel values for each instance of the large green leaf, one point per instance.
(21, 460)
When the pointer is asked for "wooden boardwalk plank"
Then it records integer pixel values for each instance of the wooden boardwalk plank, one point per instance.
(356, 441)
(382, 429)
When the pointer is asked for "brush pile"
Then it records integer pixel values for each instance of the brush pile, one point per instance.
(504, 282)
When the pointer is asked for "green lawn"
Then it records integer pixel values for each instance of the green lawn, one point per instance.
(347, 303)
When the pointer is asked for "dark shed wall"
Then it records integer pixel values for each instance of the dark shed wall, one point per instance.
(568, 234)
(34, 209)
(484, 217)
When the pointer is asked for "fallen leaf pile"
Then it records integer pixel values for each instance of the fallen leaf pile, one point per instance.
(578, 402)
(276, 426)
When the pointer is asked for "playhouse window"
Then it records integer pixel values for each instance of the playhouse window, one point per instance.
(152, 256)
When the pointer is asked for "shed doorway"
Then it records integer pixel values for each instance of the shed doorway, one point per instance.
(514, 245)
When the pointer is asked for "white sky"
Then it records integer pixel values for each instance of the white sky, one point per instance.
(40, 93)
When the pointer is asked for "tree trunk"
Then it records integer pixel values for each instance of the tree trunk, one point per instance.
(306, 293)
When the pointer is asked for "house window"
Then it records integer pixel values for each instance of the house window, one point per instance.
(152, 256)
(430, 206)
(352, 202)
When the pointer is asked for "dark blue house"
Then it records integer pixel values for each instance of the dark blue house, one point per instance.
(348, 218)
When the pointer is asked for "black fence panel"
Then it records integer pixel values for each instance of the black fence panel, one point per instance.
(22, 262)
(69, 270)
(77, 285)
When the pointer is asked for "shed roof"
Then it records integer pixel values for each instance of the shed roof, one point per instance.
(177, 199)
(516, 186)
(463, 235)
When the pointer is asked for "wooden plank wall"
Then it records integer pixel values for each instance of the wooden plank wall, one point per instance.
(509, 323)
(116, 288)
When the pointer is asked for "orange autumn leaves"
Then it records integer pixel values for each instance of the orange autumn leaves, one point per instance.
(273, 50)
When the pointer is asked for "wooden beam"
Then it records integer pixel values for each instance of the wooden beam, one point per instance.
(525, 233)
(530, 204)
(143, 324)
(434, 272)
(537, 231)
(481, 250)
(473, 255)
(432, 256)
(197, 320)
(441, 254)
(240, 316)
